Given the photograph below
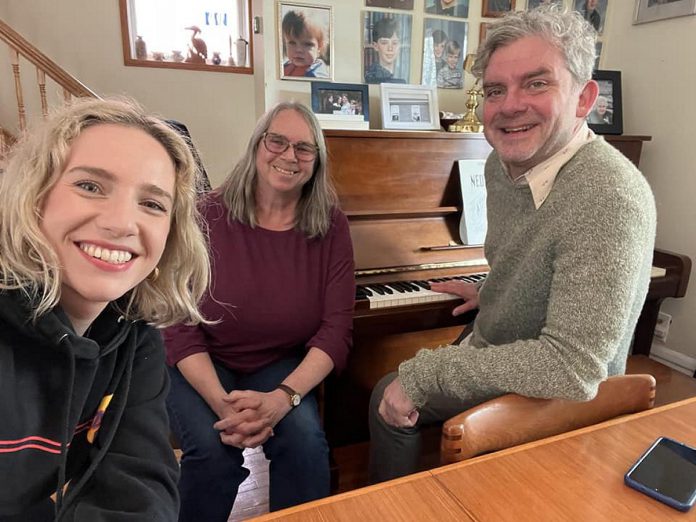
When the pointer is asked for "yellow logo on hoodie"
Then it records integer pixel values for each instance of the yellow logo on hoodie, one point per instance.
(97, 420)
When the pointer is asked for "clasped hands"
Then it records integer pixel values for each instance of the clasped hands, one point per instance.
(247, 417)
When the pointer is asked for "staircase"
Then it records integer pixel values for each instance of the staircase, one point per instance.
(33, 101)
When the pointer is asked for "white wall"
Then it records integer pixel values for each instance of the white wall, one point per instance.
(658, 64)
(84, 37)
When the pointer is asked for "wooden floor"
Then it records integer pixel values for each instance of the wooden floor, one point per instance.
(252, 499)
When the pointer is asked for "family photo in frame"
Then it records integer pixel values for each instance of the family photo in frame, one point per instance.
(305, 41)
(606, 116)
(458, 8)
(340, 98)
(444, 49)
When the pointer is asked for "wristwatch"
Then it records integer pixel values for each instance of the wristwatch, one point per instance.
(295, 397)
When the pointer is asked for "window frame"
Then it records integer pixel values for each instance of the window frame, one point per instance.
(128, 38)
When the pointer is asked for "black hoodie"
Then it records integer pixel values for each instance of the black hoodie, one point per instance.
(84, 411)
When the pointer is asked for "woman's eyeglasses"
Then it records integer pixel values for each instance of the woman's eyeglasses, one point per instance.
(277, 144)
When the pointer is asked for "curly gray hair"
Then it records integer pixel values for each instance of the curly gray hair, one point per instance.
(566, 30)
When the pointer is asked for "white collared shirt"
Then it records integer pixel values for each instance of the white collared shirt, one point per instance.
(540, 178)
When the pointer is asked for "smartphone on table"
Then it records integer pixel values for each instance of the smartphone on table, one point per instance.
(666, 472)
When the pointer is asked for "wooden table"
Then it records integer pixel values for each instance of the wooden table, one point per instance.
(574, 476)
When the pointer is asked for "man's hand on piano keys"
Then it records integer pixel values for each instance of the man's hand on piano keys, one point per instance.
(467, 291)
(396, 408)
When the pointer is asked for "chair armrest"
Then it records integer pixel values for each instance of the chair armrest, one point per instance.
(512, 419)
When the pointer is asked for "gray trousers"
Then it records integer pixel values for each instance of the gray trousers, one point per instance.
(394, 452)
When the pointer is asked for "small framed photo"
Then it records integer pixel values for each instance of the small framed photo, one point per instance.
(406, 5)
(606, 116)
(341, 98)
(653, 10)
(497, 8)
(533, 4)
(483, 30)
(458, 8)
(305, 41)
(594, 11)
(411, 107)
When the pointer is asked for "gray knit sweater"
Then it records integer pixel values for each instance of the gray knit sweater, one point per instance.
(566, 286)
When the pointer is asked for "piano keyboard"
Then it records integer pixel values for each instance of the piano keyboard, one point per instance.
(404, 293)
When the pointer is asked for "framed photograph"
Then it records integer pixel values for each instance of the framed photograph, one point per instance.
(387, 47)
(458, 8)
(305, 41)
(406, 5)
(409, 107)
(533, 4)
(444, 49)
(497, 8)
(341, 98)
(652, 10)
(594, 11)
(483, 29)
(606, 116)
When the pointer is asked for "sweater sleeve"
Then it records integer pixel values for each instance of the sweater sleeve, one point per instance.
(336, 330)
(136, 480)
(599, 278)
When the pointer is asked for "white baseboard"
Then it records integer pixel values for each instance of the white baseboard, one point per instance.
(676, 360)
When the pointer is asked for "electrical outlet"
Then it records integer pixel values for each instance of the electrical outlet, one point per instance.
(662, 327)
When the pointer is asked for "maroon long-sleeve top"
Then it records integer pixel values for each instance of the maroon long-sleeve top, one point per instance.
(272, 293)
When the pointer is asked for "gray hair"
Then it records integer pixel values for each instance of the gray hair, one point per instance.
(566, 30)
(313, 214)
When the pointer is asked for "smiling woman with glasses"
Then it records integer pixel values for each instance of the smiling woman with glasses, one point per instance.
(282, 294)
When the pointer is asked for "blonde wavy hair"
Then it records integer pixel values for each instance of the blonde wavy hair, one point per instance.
(36, 162)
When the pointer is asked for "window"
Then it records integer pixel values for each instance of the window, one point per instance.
(207, 35)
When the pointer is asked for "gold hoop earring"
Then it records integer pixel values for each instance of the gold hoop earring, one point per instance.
(154, 275)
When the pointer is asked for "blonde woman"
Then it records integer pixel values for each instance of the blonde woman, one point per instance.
(99, 245)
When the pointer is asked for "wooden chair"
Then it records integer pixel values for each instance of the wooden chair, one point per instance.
(511, 419)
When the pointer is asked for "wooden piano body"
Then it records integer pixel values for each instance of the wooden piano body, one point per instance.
(401, 193)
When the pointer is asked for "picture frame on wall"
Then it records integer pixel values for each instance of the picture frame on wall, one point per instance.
(387, 46)
(305, 41)
(653, 10)
(606, 116)
(341, 98)
(496, 8)
(406, 5)
(457, 8)
(533, 4)
(411, 107)
(594, 11)
(444, 50)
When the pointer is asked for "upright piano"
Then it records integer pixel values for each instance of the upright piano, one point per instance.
(401, 193)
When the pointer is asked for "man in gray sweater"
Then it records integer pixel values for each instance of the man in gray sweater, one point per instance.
(571, 227)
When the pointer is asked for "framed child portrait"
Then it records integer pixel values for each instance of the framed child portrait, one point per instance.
(444, 49)
(387, 47)
(458, 8)
(305, 41)
(340, 98)
(606, 116)
(391, 4)
(409, 107)
(497, 8)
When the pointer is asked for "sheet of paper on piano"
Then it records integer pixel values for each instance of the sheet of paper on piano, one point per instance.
(473, 224)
